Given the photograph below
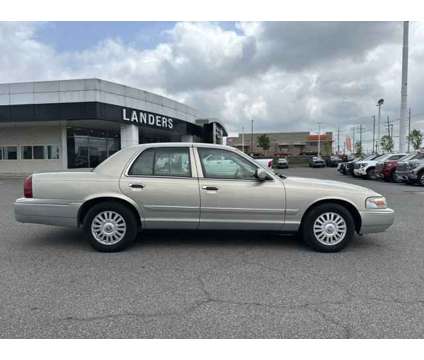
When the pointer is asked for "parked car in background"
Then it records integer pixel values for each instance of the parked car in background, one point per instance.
(316, 161)
(333, 161)
(386, 170)
(405, 167)
(366, 168)
(179, 186)
(282, 163)
(346, 168)
(265, 162)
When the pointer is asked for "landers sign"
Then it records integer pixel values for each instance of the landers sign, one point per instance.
(143, 117)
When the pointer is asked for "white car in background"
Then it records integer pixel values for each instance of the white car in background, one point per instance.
(266, 163)
(366, 168)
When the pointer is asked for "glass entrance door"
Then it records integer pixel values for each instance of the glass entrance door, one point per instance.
(87, 148)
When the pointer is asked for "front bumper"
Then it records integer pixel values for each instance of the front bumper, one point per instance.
(412, 176)
(402, 175)
(360, 172)
(46, 211)
(378, 220)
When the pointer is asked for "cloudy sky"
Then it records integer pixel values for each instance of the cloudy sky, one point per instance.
(284, 75)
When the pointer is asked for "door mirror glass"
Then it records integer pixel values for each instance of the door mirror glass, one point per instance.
(261, 174)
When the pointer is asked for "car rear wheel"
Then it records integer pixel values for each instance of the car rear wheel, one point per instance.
(328, 228)
(110, 226)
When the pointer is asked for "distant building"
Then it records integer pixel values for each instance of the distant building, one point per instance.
(284, 143)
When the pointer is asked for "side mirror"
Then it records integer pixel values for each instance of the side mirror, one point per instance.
(261, 174)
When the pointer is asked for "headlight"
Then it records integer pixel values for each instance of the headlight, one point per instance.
(364, 164)
(376, 202)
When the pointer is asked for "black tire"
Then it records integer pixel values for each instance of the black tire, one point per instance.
(312, 215)
(128, 217)
(420, 178)
(371, 175)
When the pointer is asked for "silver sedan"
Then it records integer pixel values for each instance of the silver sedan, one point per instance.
(198, 186)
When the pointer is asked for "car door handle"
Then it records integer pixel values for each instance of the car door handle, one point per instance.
(136, 186)
(210, 188)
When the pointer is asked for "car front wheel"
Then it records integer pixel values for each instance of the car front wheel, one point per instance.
(420, 178)
(110, 226)
(328, 227)
(371, 175)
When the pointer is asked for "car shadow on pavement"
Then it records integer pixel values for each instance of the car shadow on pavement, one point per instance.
(75, 239)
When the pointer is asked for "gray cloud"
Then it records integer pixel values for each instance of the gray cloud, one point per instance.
(284, 75)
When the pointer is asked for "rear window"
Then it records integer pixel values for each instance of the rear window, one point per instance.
(162, 162)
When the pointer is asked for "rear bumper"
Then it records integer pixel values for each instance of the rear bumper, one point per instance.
(48, 212)
(374, 221)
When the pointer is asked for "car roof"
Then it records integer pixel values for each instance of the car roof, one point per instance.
(182, 144)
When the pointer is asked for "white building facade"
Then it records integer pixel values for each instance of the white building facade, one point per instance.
(71, 124)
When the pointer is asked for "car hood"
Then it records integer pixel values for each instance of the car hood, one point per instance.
(330, 185)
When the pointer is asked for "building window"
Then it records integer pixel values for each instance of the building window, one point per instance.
(87, 148)
(52, 152)
(39, 152)
(26, 152)
(10, 153)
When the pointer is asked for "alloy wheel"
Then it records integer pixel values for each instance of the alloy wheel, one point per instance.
(330, 228)
(108, 227)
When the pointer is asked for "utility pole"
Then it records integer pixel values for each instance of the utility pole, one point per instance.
(360, 136)
(338, 140)
(373, 135)
(404, 88)
(379, 104)
(319, 138)
(409, 130)
(388, 125)
(242, 138)
(251, 139)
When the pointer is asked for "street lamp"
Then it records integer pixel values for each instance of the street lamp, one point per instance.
(379, 104)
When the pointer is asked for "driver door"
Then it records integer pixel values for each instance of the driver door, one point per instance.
(231, 197)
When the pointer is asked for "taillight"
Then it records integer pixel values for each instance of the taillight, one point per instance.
(28, 187)
(270, 164)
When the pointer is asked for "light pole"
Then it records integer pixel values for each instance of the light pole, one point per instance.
(404, 89)
(242, 138)
(379, 104)
(251, 140)
(319, 138)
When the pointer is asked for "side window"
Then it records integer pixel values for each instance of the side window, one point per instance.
(163, 162)
(396, 157)
(224, 164)
(144, 164)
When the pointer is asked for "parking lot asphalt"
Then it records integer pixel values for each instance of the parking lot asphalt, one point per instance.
(214, 285)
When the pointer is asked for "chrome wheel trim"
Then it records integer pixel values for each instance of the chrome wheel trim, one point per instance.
(108, 227)
(330, 228)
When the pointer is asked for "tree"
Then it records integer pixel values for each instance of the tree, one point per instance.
(358, 149)
(416, 138)
(327, 148)
(264, 142)
(386, 143)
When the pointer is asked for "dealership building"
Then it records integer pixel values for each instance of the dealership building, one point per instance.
(69, 124)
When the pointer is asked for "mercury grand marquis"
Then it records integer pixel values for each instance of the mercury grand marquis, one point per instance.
(198, 186)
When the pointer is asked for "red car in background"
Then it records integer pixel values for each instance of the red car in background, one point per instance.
(386, 170)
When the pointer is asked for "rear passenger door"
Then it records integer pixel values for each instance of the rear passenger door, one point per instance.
(163, 182)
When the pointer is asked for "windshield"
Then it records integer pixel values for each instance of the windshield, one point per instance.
(408, 157)
(380, 157)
